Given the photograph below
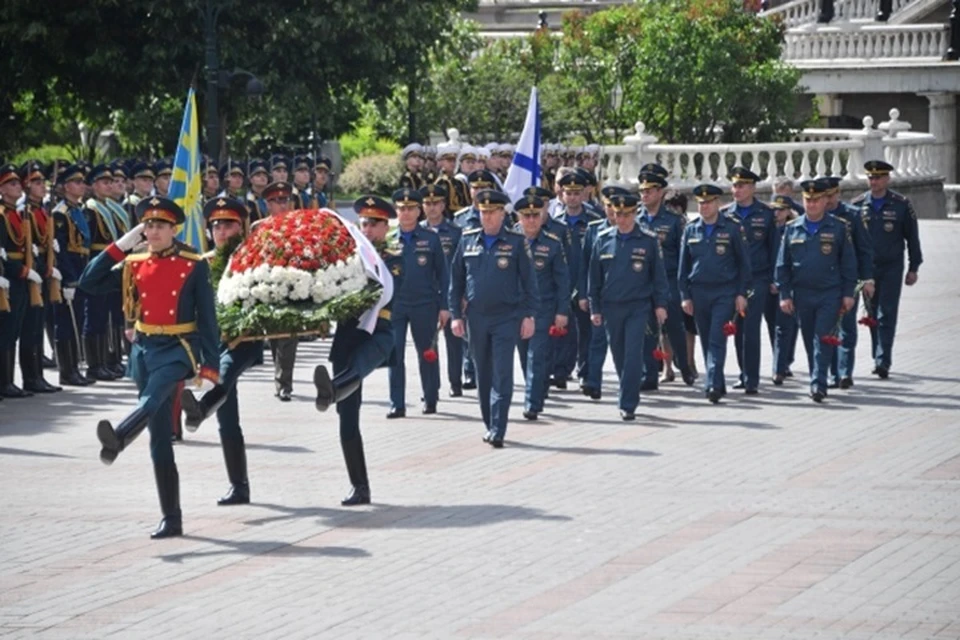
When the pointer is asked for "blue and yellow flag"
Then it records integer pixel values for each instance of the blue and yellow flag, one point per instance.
(185, 186)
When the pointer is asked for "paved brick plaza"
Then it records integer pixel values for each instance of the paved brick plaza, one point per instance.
(767, 517)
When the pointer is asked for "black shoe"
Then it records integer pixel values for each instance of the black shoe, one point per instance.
(835, 384)
(168, 528)
(817, 395)
(649, 386)
(778, 380)
(846, 383)
(669, 376)
(236, 494)
(396, 413)
(7, 388)
(740, 385)
(358, 495)
(883, 372)
(751, 391)
(596, 394)
(108, 438)
(48, 363)
(116, 440)
(788, 374)
(469, 385)
(559, 383)
(530, 415)
(456, 392)
(496, 443)
(31, 364)
(429, 409)
(586, 389)
(284, 395)
(689, 378)
(714, 396)
(196, 411)
(332, 391)
(627, 416)
(69, 377)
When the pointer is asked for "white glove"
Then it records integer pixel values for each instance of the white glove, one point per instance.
(200, 383)
(4, 283)
(3, 253)
(69, 293)
(56, 246)
(33, 276)
(36, 251)
(131, 238)
(56, 275)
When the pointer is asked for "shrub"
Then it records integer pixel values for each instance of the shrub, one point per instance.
(378, 173)
(363, 141)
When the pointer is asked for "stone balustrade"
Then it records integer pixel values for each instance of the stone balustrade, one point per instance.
(879, 44)
(802, 12)
(812, 152)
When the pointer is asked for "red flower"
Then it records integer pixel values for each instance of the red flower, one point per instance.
(556, 332)
(430, 355)
(868, 321)
(729, 329)
(831, 340)
(659, 354)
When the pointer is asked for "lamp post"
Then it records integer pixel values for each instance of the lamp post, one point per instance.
(953, 52)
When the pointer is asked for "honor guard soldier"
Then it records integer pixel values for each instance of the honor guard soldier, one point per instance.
(419, 301)
(259, 178)
(714, 277)
(164, 172)
(573, 348)
(143, 178)
(458, 195)
(279, 168)
(321, 179)
(551, 161)
(893, 225)
(429, 169)
(627, 283)
(232, 176)
(302, 170)
(167, 292)
(668, 228)
(553, 284)
(492, 273)
(412, 156)
(72, 234)
(104, 313)
(760, 229)
(278, 197)
(44, 263)
(816, 277)
(359, 346)
(597, 354)
(844, 356)
(434, 199)
(226, 220)
(18, 269)
(211, 180)
(784, 338)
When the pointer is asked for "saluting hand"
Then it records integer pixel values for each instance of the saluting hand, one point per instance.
(526, 328)
(130, 239)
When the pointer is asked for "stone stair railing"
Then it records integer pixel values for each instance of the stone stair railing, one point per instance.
(800, 12)
(880, 44)
(837, 152)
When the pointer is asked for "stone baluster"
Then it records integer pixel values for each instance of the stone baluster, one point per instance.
(872, 147)
(805, 171)
(789, 168)
(835, 168)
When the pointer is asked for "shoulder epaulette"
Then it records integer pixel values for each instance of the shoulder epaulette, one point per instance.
(91, 203)
(896, 196)
(210, 255)
(460, 212)
(860, 199)
(732, 217)
(393, 251)
(514, 232)
(763, 205)
(647, 232)
(552, 236)
(592, 223)
(607, 232)
(468, 232)
(61, 208)
(190, 255)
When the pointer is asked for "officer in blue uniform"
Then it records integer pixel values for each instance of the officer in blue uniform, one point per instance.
(714, 277)
(784, 337)
(302, 174)
(321, 176)
(597, 354)
(844, 356)
(259, 178)
(760, 229)
(434, 198)
(553, 283)
(893, 224)
(72, 234)
(816, 277)
(492, 273)
(167, 292)
(627, 283)
(419, 302)
(573, 349)
(357, 350)
(668, 228)
(227, 221)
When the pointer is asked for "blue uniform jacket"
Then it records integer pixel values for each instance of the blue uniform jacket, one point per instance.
(720, 259)
(860, 234)
(627, 269)
(820, 261)
(163, 289)
(589, 241)
(553, 276)
(892, 224)
(760, 230)
(668, 227)
(426, 278)
(578, 230)
(449, 235)
(493, 281)
(72, 233)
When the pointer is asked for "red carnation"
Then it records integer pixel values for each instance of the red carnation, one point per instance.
(556, 332)
(868, 321)
(831, 340)
(430, 355)
(659, 354)
(729, 329)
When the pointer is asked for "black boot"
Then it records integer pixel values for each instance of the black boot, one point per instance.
(116, 440)
(168, 488)
(357, 470)
(69, 375)
(106, 357)
(235, 458)
(196, 411)
(7, 388)
(91, 349)
(31, 365)
(115, 355)
(333, 391)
